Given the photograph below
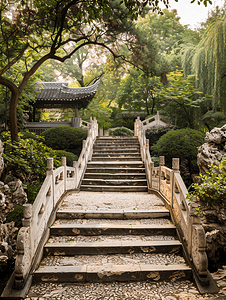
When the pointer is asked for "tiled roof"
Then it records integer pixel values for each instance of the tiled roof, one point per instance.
(59, 94)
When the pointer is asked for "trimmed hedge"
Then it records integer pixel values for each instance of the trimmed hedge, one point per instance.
(120, 131)
(183, 144)
(69, 156)
(65, 138)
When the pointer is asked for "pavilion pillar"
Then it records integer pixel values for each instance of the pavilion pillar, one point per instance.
(34, 114)
(76, 115)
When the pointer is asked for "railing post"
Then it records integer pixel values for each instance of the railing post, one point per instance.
(75, 165)
(161, 164)
(176, 169)
(64, 164)
(50, 172)
(27, 214)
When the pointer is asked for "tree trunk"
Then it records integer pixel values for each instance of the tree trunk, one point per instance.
(12, 114)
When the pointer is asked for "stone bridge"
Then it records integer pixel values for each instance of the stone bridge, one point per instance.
(111, 217)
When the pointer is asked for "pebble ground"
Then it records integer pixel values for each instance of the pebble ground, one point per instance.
(183, 290)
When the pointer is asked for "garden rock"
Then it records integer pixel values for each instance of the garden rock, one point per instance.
(213, 150)
(214, 216)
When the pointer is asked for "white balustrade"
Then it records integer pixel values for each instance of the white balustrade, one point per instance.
(170, 185)
(37, 215)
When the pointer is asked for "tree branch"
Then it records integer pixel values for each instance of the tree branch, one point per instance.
(14, 60)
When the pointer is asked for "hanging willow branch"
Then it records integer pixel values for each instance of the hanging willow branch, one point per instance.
(208, 62)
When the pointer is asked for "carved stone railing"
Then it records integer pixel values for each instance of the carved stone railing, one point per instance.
(170, 185)
(37, 215)
(154, 121)
(39, 127)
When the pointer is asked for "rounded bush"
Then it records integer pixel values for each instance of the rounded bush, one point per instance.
(69, 156)
(120, 131)
(183, 144)
(154, 134)
(65, 138)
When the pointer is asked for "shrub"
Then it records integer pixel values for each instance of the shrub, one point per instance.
(181, 143)
(31, 135)
(212, 188)
(120, 131)
(69, 156)
(26, 159)
(154, 134)
(120, 122)
(65, 138)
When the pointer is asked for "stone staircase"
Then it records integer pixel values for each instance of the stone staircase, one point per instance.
(108, 236)
(116, 166)
(112, 246)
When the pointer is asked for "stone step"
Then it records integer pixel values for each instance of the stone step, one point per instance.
(117, 145)
(114, 188)
(103, 138)
(115, 176)
(114, 247)
(114, 182)
(114, 259)
(117, 158)
(110, 272)
(120, 214)
(112, 170)
(120, 154)
(116, 151)
(114, 222)
(104, 229)
(115, 164)
(116, 148)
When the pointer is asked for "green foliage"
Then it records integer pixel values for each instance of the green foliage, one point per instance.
(212, 188)
(181, 100)
(120, 122)
(138, 93)
(32, 191)
(26, 159)
(16, 216)
(208, 61)
(183, 144)
(154, 134)
(69, 156)
(65, 138)
(120, 131)
(31, 135)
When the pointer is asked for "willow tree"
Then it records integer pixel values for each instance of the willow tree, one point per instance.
(208, 62)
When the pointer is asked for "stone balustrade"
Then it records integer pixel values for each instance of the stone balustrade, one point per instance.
(170, 185)
(37, 215)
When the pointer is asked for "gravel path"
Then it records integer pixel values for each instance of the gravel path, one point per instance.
(184, 290)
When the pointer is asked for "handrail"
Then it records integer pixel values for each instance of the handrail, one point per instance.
(37, 215)
(170, 185)
(154, 121)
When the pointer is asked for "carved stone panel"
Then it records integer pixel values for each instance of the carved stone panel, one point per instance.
(23, 259)
(199, 249)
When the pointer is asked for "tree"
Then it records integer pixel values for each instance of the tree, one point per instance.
(182, 101)
(40, 29)
(138, 92)
(208, 61)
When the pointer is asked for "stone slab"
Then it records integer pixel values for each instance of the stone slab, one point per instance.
(110, 272)
(114, 247)
(98, 229)
(112, 214)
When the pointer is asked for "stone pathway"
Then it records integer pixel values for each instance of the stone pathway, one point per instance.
(182, 290)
